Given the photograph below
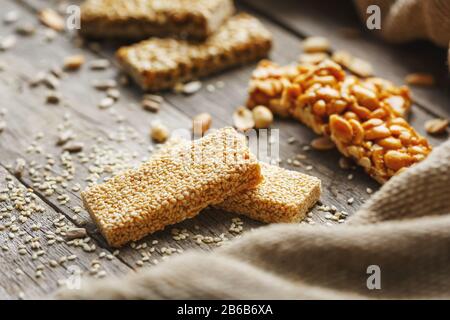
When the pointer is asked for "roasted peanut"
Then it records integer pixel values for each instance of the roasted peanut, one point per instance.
(159, 132)
(358, 131)
(396, 160)
(262, 116)
(341, 129)
(243, 119)
(378, 132)
(436, 126)
(316, 44)
(390, 143)
(201, 123)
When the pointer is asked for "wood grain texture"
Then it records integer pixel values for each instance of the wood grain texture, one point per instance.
(28, 115)
(18, 271)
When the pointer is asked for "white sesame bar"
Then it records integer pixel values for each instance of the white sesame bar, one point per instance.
(282, 196)
(158, 64)
(172, 187)
(141, 19)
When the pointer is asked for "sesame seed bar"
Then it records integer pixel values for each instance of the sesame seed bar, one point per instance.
(363, 117)
(158, 64)
(172, 187)
(282, 196)
(141, 19)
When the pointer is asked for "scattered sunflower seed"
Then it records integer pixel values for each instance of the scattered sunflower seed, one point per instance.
(358, 66)
(344, 163)
(11, 17)
(312, 58)
(153, 97)
(150, 105)
(113, 94)
(51, 81)
(99, 64)
(106, 103)
(104, 84)
(73, 147)
(53, 97)
(26, 29)
(316, 44)
(2, 126)
(190, 87)
(19, 167)
(51, 19)
(73, 62)
(50, 35)
(436, 126)
(420, 79)
(8, 42)
(64, 136)
(75, 233)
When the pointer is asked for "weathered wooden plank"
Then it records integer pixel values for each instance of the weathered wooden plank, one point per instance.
(33, 244)
(333, 18)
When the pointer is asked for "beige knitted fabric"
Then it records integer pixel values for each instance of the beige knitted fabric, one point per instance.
(404, 229)
(405, 20)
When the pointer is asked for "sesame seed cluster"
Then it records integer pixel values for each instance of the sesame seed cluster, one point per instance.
(158, 64)
(140, 19)
(172, 187)
(363, 117)
(282, 196)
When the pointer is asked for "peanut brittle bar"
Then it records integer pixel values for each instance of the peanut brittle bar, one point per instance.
(158, 64)
(364, 118)
(172, 187)
(140, 19)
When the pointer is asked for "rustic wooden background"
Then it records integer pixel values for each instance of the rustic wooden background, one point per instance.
(126, 126)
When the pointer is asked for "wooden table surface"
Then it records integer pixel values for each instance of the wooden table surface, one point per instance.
(35, 260)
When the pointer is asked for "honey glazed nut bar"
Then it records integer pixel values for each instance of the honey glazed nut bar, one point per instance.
(158, 64)
(141, 19)
(364, 117)
(282, 196)
(172, 187)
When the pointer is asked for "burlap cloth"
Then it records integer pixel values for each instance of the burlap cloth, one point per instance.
(404, 229)
(405, 20)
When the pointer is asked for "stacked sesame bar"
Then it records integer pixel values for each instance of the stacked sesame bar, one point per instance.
(282, 196)
(172, 187)
(363, 117)
(158, 64)
(140, 19)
